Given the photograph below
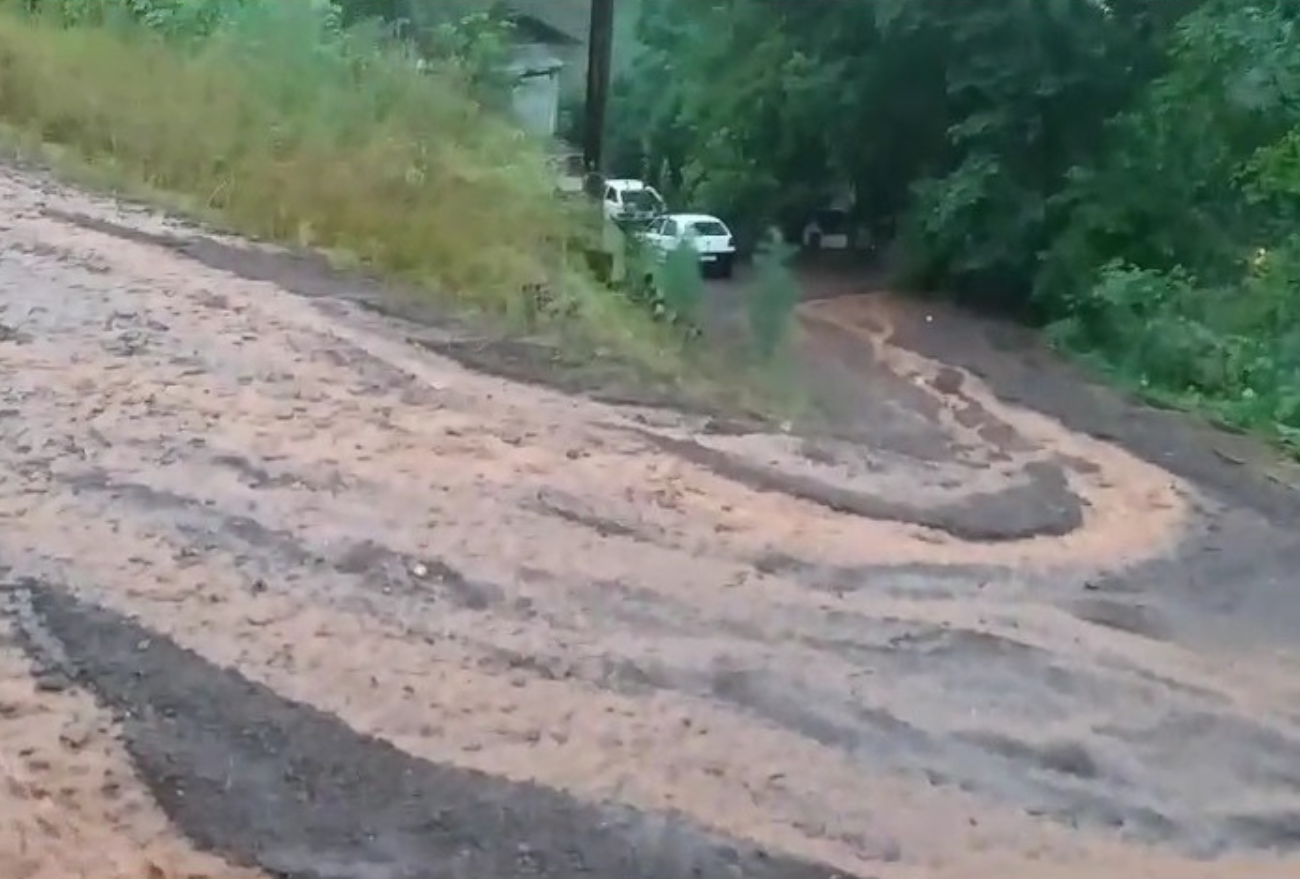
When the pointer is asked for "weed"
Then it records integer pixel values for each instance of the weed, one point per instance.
(680, 286)
(773, 300)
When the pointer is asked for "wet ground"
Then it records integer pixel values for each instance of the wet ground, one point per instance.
(291, 590)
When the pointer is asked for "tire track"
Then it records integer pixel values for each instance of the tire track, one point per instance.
(74, 803)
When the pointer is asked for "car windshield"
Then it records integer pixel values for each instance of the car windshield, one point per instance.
(642, 200)
(708, 228)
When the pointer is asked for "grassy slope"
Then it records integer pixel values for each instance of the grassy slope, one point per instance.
(273, 134)
(345, 149)
(286, 143)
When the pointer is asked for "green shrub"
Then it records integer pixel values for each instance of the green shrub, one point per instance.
(680, 285)
(1233, 349)
(772, 302)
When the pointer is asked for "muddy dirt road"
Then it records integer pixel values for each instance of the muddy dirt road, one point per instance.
(286, 594)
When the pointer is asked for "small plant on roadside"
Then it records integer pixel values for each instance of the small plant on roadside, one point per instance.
(668, 287)
(772, 302)
(680, 286)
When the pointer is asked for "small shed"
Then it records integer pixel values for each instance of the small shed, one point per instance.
(542, 55)
(535, 99)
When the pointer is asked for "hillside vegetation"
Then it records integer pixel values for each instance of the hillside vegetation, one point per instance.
(1124, 171)
(285, 121)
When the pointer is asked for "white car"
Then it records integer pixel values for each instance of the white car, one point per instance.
(708, 235)
(631, 201)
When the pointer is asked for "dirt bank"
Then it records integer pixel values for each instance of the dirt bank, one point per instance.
(486, 625)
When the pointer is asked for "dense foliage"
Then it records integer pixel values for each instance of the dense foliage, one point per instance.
(1125, 170)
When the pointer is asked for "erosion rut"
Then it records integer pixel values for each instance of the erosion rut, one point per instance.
(335, 605)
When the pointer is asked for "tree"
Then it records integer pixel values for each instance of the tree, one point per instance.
(960, 121)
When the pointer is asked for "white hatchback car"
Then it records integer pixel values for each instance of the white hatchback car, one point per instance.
(708, 235)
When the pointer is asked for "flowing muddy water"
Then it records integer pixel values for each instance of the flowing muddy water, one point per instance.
(351, 608)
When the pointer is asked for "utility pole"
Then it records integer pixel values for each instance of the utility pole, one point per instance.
(600, 50)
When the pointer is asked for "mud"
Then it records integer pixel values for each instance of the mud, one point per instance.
(499, 352)
(1235, 468)
(262, 780)
(1043, 505)
(74, 804)
(373, 612)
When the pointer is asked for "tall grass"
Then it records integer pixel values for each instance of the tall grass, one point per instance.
(288, 126)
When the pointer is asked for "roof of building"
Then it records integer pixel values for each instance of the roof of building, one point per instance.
(534, 61)
(559, 22)
(569, 17)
